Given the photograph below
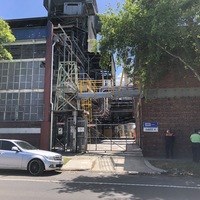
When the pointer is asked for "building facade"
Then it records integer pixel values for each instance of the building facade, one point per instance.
(24, 96)
(39, 87)
(173, 103)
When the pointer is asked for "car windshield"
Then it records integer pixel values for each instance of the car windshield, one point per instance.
(25, 145)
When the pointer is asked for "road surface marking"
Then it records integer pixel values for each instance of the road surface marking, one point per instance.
(103, 183)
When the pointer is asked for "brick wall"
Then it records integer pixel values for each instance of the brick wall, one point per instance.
(181, 114)
(33, 138)
(178, 77)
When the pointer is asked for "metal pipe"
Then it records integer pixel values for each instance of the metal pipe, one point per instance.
(51, 91)
(49, 9)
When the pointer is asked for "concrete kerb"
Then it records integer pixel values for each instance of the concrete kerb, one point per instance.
(79, 163)
(149, 165)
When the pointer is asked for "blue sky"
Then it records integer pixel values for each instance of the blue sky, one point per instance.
(12, 9)
(16, 9)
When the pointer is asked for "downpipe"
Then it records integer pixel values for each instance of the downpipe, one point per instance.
(51, 91)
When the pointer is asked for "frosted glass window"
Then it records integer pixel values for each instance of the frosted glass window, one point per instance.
(19, 105)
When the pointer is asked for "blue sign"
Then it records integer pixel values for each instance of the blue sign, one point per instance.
(150, 127)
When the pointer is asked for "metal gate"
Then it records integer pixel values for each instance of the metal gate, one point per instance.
(110, 138)
(82, 137)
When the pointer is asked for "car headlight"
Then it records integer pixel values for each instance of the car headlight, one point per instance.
(49, 157)
(54, 158)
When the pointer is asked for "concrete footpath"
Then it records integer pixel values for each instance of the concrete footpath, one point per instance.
(118, 163)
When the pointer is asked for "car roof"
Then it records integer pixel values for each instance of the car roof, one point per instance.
(11, 140)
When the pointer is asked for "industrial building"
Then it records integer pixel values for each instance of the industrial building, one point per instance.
(54, 93)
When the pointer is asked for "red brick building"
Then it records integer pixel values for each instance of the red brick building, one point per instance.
(174, 102)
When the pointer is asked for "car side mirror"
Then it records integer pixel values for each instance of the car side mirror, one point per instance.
(15, 149)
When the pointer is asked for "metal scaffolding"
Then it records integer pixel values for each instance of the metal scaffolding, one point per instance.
(67, 87)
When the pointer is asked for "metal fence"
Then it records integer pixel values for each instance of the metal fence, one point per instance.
(110, 139)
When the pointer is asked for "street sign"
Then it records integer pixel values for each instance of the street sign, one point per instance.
(150, 127)
(60, 131)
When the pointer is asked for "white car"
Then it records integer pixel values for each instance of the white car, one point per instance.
(18, 154)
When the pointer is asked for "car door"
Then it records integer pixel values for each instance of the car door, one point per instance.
(9, 159)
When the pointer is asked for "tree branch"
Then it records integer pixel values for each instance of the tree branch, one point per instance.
(179, 58)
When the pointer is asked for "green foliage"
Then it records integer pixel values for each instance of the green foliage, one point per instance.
(147, 36)
(5, 37)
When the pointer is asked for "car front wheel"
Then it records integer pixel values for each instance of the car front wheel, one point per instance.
(35, 167)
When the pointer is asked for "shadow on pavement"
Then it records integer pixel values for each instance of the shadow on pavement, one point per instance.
(24, 173)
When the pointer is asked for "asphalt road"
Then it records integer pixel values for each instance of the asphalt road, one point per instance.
(15, 185)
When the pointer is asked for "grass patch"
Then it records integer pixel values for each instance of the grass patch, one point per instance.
(178, 167)
(66, 159)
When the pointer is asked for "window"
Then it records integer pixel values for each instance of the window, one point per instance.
(27, 51)
(6, 145)
(18, 101)
(22, 80)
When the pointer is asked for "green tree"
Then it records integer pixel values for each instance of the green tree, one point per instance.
(6, 36)
(149, 36)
